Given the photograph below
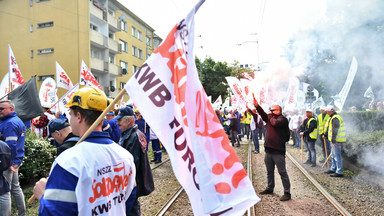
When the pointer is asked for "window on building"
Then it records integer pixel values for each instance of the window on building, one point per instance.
(148, 55)
(124, 45)
(111, 35)
(37, 1)
(134, 51)
(31, 28)
(139, 35)
(140, 54)
(31, 53)
(122, 84)
(45, 25)
(30, 3)
(123, 25)
(111, 58)
(133, 31)
(149, 41)
(42, 78)
(124, 65)
(134, 68)
(45, 51)
(94, 27)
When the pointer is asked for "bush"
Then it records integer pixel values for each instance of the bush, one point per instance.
(38, 158)
(359, 143)
(363, 120)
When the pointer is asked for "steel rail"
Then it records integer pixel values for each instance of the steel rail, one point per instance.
(328, 196)
(157, 165)
(170, 202)
(251, 210)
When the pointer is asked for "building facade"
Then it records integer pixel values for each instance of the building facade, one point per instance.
(111, 40)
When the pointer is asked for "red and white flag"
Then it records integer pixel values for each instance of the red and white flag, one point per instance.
(87, 78)
(202, 158)
(16, 77)
(238, 91)
(63, 101)
(4, 86)
(47, 93)
(62, 78)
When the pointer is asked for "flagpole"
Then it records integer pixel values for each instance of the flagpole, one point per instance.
(198, 5)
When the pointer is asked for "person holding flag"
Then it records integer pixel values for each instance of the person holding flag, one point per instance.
(76, 184)
(274, 145)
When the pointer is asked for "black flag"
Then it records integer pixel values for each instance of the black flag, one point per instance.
(26, 100)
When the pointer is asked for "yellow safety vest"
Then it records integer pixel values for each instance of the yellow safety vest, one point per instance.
(242, 120)
(313, 134)
(321, 123)
(248, 119)
(225, 121)
(341, 136)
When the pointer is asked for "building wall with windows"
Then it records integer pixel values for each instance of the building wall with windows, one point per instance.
(43, 32)
(99, 32)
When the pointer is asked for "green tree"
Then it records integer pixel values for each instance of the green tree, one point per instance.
(212, 76)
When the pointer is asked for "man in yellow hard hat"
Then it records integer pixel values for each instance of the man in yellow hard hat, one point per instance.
(96, 176)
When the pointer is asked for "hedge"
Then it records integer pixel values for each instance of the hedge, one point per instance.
(38, 158)
(363, 120)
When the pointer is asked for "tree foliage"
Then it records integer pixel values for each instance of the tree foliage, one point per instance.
(212, 75)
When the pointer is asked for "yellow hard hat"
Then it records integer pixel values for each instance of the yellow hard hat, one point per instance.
(89, 98)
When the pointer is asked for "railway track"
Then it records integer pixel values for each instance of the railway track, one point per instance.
(322, 190)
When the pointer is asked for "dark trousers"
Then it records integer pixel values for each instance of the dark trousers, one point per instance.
(156, 149)
(247, 130)
(270, 161)
(135, 211)
(234, 136)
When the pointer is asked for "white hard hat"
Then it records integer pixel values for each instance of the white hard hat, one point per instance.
(309, 110)
(329, 108)
(322, 108)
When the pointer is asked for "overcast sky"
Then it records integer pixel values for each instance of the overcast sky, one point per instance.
(223, 24)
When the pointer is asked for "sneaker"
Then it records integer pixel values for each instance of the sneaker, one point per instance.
(337, 175)
(158, 161)
(307, 162)
(329, 172)
(285, 197)
(153, 160)
(256, 152)
(313, 165)
(266, 191)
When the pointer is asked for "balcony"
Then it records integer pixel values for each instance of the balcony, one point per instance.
(113, 46)
(113, 23)
(98, 40)
(114, 69)
(97, 64)
(96, 11)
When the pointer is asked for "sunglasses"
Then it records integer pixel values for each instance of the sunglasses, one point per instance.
(2, 108)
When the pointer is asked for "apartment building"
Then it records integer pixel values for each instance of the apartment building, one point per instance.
(111, 40)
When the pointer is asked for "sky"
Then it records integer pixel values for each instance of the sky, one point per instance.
(249, 31)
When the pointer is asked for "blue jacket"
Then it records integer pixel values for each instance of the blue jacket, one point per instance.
(13, 130)
(116, 132)
(142, 125)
